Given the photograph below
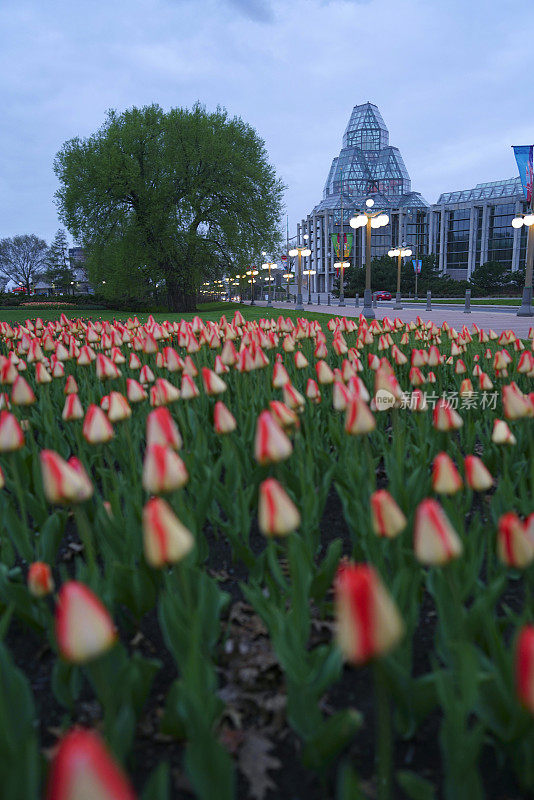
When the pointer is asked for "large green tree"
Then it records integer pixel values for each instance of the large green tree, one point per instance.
(167, 200)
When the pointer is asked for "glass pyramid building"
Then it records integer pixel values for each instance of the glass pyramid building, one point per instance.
(368, 166)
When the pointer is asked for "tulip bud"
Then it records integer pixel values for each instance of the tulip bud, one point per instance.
(283, 415)
(515, 403)
(118, 409)
(324, 373)
(87, 489)
(301, 362)
(42, 375)
(271, 443)
(368, 622)
(61, 483)
(277, 514)
(162, 429)
(163, 470)
(96, 426)
(435, 540)
(40, 580)
(387, 518)
(11, 436)
(213, 384)
(524, 667)
(514, 546)
(293, 398)
(445, 418)
(358, 418)
(135, 392)
(188, 388)
(105, 368)
(83, 768)
(84, 628)
(166, 540)
(189, 367)
(280, 376)
(22, 394)
(162, 393)
(146, 375)
(477, 476)
(418, 401)
(445, 476)
(223, 419)
(501, 433)
(71, 387)
(313, 392)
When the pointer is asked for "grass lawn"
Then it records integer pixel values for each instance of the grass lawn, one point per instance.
(211, 311)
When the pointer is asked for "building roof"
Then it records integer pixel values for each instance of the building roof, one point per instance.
(368, 166)
(484, 191)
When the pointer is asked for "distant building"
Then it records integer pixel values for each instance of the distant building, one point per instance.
(367, 166)
(463, 228)
(77, 259)
(470, 227)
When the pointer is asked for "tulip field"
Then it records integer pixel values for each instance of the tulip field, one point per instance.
(270, 558)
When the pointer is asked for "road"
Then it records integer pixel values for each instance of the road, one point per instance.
(485, 317)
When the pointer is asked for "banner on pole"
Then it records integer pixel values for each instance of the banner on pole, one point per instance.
(347, 244)
(417, 264)
(523, 156)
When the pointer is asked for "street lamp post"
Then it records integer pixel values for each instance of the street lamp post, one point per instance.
(252, 272)
(269, 265)
(400, 253)
(525, 309)
(287, 276)
(309, 272)
(342, 266)
(370, 220)
(300, 251)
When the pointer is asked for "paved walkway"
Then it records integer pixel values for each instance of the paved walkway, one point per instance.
(456, 318)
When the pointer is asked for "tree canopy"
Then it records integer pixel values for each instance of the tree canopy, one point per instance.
(168, 199)
(58, 270)
(23, 259)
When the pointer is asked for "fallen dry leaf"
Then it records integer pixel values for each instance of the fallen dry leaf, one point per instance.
(255, 762)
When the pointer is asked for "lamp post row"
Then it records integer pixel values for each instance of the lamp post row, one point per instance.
(372, 220)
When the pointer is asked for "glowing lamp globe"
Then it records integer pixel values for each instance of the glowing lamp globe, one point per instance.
(306, 252)
(293, 252)
(528, 220)
(369, 202)
(517, 222)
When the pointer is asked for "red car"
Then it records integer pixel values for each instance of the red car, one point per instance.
(381, 294)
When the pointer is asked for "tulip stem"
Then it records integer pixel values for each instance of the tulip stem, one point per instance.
(383, 739)
(26, 545)
(370, 464)
(85, 535)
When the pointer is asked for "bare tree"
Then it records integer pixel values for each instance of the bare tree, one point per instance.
(22, 259)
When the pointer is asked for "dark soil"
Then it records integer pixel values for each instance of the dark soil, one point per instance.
(255, 696)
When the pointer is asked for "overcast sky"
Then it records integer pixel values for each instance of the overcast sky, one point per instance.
(452, 79)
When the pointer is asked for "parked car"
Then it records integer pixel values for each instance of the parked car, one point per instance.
(381, 294)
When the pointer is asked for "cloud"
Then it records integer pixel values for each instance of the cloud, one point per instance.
(444, 75)
(256, 10)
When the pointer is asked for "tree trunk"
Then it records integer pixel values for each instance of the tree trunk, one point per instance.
(180, 300)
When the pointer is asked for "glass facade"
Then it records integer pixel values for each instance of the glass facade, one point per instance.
(367, 166)
(458, 238)
(501, 234)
